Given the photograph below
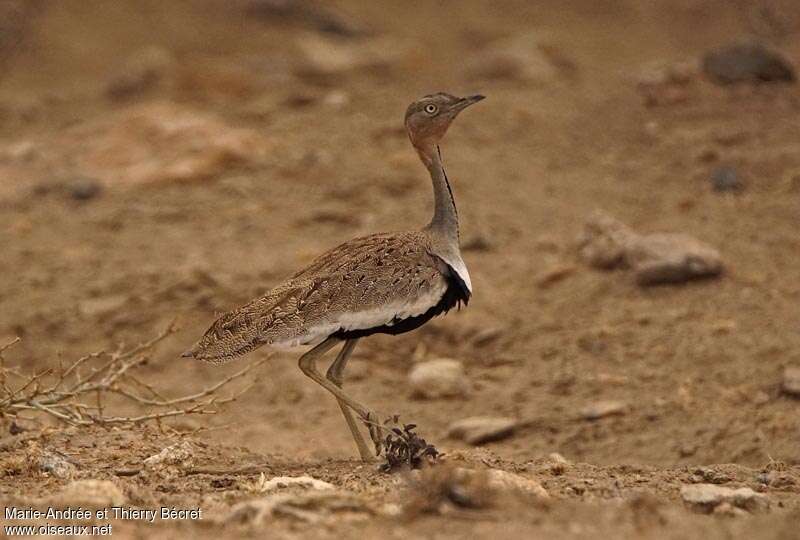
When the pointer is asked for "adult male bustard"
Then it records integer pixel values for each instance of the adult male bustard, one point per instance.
(384, 283)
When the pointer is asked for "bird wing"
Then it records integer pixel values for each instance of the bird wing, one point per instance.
(367, 282)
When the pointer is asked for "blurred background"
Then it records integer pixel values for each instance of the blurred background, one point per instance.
(163, 160)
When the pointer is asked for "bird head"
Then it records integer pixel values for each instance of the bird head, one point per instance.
(428, 118)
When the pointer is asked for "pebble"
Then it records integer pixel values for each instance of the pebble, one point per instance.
(443, 377)
(508, 481)
(283, 482)
(477, 430)
(705, 498)
(726, 179)
(791, 381)
(180, 454)
(747, 62)
(603, 409)
(56, 465)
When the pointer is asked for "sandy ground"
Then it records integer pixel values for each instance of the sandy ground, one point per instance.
(230, 147)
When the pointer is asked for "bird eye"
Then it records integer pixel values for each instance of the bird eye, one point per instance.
(431, 108)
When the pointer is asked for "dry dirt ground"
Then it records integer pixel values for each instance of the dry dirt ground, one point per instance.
(171, 160)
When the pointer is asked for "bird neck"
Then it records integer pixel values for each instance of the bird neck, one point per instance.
(445, 215)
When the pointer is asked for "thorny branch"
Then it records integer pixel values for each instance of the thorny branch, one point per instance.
(75, 394)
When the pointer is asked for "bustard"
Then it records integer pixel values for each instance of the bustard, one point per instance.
(384, 283)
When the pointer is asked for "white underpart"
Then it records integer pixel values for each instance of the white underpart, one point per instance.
(370, 318)
(457, 264)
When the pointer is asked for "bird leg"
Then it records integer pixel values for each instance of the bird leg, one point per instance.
(335, 374)
(308, 365)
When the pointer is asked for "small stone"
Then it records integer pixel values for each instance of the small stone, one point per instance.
(56, 465)
(439, 378)
(180, 455)
(83, 189)
(671, 258)
(282, 482)
(478, 430)
(603, 409)
(508, 481)
(747, 62)
(704, 498)
(89, 493)
(726, 179)
(791, 381)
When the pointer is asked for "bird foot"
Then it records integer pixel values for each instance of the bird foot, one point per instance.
(375, 429)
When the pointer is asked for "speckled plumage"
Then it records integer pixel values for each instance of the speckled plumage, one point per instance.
(383, 283)
(371, 281)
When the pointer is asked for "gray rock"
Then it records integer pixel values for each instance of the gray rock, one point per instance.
(705, 498)
(658, 258)
(791, 381)
(477, 430)
(747, 62)
(671, 258)
(438, 378)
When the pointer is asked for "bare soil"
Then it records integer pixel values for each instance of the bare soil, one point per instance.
(308, 157)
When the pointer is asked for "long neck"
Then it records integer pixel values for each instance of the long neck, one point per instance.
(445, 215)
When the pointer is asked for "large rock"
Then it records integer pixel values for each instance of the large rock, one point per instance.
(671, 258)
(747, 62)
(477, 430)
(439, 378)
(657, 258)
(705, 498)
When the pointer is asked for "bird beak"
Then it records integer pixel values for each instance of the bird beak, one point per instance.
(465, 102)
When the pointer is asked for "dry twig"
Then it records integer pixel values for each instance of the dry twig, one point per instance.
(65, 393)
